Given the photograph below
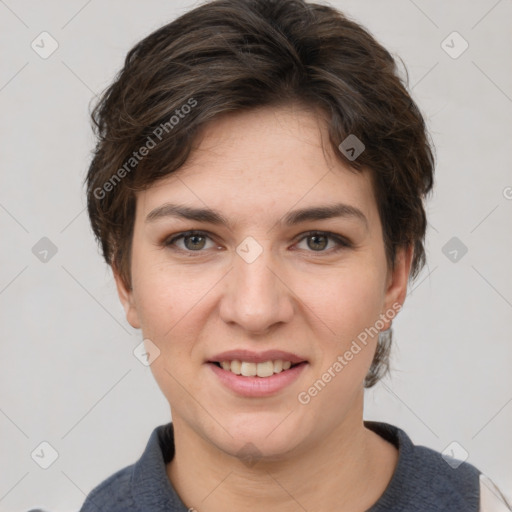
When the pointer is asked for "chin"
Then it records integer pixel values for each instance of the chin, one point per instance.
(259, 435)
(251, 451)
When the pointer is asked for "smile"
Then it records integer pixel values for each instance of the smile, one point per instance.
(255, 380)
(250, 369)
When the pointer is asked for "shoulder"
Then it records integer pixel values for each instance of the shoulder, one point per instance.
(453, 483)
(449, 481)
(113, 494)
(425, 479)
(139, 486)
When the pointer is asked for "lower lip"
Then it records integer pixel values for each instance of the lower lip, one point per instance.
(258, 386)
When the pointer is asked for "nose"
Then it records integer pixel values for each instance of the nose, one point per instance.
(256, 295)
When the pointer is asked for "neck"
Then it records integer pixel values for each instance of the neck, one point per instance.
(348, 470)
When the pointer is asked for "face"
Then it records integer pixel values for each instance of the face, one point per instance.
(263, 274)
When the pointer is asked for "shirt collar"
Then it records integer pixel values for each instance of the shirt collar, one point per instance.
(152, 490)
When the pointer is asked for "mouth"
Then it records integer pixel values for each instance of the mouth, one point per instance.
(253, 374)
(263, 369)
(251, 379)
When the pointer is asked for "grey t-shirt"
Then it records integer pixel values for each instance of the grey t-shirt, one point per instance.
(423, 480)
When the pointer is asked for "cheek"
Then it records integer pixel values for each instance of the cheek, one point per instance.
(171, 303)
(163, 302)
(168, 308)
(349, 305)
(155, 305)
(345, 302)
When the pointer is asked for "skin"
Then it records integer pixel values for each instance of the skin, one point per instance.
(300, 295)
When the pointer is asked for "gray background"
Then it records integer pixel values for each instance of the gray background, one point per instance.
(67, 372)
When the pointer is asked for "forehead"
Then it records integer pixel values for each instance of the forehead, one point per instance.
(262, 163)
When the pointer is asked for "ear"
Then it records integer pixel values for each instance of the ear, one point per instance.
(127, 300)
(396, 286)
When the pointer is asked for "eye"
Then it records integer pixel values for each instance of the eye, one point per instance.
(194, 241)
(320, 240)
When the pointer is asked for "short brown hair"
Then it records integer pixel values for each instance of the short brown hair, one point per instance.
(233, 55)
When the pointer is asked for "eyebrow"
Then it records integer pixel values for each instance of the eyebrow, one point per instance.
(290, 219)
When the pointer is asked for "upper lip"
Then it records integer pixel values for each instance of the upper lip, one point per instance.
(256, 357)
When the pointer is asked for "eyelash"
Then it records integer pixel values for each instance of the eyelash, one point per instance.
(343, 243)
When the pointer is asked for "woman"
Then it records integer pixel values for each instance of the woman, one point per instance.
(258, 190)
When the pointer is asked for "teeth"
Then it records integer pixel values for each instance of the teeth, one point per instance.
(265, 369)
(247, 369)
(235, 367)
